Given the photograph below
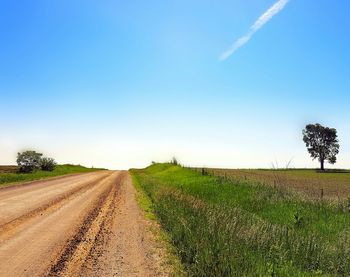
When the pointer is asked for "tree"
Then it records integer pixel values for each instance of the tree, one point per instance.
(28, 161)
(47, 164)
(322, 143)
(174, 161)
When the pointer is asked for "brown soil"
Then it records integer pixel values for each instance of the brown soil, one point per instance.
(86, 225)
(8, 168)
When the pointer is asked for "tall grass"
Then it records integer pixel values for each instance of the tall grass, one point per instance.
(225, 228)
(7, 178)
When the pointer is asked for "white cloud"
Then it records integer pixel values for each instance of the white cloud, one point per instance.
(262, 20)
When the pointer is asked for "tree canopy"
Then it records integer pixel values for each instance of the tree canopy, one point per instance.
(28, 161)
(322, 143)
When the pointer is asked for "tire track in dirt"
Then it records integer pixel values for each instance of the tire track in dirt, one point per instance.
(94, 228)
(16, 225)
(19, 224)
(35, 248)
(22, 200)
(83, 244)
(124, 245)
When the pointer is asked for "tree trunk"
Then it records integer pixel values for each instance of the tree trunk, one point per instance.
(322, 164)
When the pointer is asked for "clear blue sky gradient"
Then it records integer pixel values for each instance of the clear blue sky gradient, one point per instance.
(120, 83)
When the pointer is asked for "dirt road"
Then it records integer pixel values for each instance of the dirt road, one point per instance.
(82, 225)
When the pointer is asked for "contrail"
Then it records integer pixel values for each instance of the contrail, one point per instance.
(263, 19)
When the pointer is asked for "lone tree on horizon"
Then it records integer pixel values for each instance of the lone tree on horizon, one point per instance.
(322, 143)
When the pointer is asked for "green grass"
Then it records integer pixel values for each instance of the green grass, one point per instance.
(13, 178)
(222, 227)
(171, 259)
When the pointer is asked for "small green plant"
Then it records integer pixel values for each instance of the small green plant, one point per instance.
(298, 219)
(270, 270)
(347, 208)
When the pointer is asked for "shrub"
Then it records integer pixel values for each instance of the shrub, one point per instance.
(28, 161)
(47, 164)
(174, 161)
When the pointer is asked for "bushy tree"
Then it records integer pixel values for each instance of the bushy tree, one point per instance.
(47, 164)
(322, 143)
(28, 161)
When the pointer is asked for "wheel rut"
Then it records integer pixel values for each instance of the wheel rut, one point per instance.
(14, 226)
(92, 226)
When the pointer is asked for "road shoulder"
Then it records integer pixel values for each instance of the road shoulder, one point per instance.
(162, 250)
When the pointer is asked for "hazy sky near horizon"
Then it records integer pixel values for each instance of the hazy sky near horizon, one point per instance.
(118, 84)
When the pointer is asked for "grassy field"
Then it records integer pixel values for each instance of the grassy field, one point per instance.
(330, 184)
(8, 174)
(225, 227)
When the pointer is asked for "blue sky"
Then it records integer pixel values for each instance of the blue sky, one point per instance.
(120, 83)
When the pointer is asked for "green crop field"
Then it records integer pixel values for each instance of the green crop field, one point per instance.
(8, 174)
(239, 227)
